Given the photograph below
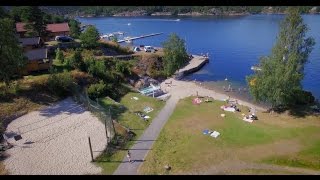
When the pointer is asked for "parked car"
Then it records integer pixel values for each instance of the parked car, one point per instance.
(64, 39)
(136, 49)
(149, 49)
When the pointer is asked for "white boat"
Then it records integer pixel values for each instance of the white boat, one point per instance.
(129, 24)
(177, 19)
(128, 39)
(255, 68)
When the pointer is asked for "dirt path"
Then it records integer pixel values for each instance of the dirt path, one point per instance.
(55, 141)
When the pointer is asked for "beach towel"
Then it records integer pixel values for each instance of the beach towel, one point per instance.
(146, 117)
(147, 109)
(247, 119)
(205, 132)
(215, 134)
(135, 98)
(230, 109)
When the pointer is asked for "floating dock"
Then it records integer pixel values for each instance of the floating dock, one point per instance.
(139, 37)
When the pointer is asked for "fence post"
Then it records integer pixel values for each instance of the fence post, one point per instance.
(112, 121)
(105, 126)
(92, 160)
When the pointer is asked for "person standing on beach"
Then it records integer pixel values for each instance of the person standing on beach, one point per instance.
(129, 157)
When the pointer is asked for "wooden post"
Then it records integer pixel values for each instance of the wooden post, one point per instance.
(105, 127)
(112, 121)
(92, 160)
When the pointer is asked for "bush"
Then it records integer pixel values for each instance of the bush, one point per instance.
(75, 60)
(98, 52)
(61, 84)
(82, 78)
(95, 67)
(59, 55)
(97, 90)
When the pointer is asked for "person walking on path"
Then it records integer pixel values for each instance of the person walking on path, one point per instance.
(129, 157)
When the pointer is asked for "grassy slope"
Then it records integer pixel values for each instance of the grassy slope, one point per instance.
(130, 120)
(182, 145)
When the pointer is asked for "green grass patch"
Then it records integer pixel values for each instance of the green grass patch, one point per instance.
(182, 145)
(307, 158)
(123, 112)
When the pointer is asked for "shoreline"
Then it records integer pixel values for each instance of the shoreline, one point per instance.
(180, 88)
(190, 15)
(244, 96)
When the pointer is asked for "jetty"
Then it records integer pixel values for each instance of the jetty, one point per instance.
(139, 37)
(195, 64)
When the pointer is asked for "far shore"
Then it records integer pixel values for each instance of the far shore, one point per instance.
(190, 15)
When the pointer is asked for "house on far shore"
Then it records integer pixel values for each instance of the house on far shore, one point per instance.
(37, 60)
(53, 30)
(30, 43)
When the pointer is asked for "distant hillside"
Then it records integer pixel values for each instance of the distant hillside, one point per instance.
(91, 11)
(169, 10)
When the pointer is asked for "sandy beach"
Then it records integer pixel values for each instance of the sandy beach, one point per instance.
(181, 89)
(55, 141)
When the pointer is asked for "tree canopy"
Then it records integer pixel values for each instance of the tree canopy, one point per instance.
(279, 81)
(175, 54)
(89, 37)
(11, 57)
(74, 28)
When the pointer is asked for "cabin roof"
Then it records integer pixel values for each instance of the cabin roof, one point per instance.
(37, 54)
(58, 27)
(29, 41)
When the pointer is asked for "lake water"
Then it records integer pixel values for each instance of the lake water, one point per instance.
(234, 44)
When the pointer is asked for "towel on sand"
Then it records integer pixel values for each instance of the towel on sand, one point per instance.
(247, 119)
(135, 98)
(215, 134)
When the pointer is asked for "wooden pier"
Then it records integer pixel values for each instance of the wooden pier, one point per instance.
(139, 37)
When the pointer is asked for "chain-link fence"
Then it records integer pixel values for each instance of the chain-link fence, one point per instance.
(95, 108)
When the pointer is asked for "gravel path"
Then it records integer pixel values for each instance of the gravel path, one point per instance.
(55, 141)
(142, 146)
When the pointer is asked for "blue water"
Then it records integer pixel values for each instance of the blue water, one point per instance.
(234, 44)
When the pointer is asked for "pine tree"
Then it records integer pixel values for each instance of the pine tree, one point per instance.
(11, 57)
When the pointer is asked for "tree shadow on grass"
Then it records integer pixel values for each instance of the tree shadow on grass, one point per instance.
(299, 111)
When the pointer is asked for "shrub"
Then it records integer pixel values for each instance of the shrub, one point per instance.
(59, 55)
(97, 90)
(76, 61)
(82, 78)
(96, 67)
(98, 52)
(61, 84)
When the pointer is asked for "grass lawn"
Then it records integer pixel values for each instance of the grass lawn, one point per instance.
(123, 112)
(182, 145)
